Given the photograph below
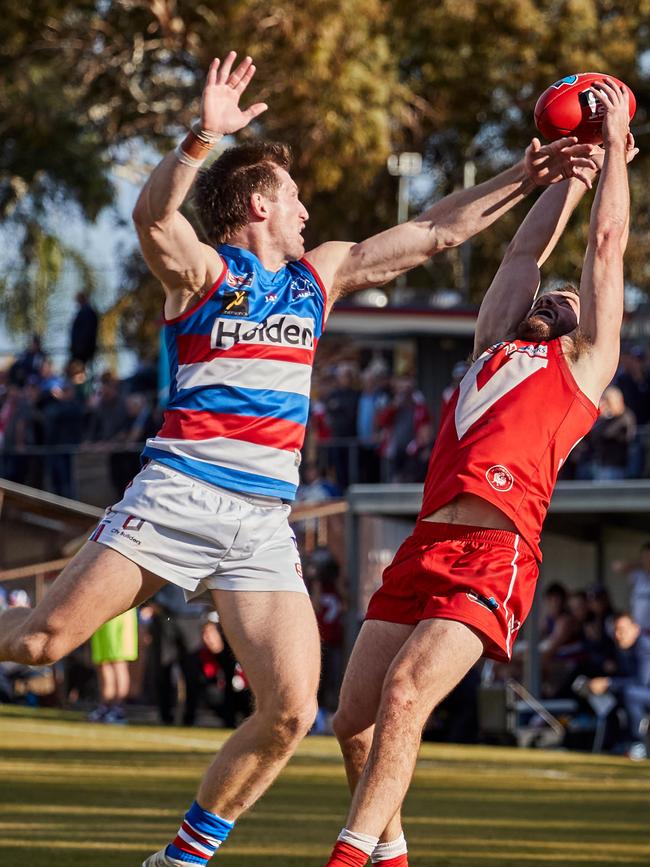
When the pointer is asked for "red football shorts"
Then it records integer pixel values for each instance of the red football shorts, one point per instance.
(484, 578)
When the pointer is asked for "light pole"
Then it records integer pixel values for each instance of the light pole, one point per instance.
(404, 166)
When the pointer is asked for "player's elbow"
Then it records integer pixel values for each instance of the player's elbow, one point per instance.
(608, 238)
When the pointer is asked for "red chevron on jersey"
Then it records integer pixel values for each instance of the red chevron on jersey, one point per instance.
(506, 432)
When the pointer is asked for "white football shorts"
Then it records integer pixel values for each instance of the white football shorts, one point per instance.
(203, 537)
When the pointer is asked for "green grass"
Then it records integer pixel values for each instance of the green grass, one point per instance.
(74, 794)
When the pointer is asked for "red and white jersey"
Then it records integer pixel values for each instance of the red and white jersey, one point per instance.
(506, 432)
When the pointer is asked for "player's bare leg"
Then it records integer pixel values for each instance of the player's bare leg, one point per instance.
(432, 661)
(275, 639)
(97, 585)
(375, 649)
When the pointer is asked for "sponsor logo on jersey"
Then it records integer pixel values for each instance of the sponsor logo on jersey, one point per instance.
(239, 281)
(279, 329)
(565, 82)
(532, 350)
(271, 298)
(301, 288)
(235, 303)
(500, 478)
(133, 523)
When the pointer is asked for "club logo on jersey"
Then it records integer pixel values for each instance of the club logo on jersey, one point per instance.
(240, 281)
(566, 81)
(500, 478)
(301, 288)
(279, 329)
(235, 303)
(133, 523)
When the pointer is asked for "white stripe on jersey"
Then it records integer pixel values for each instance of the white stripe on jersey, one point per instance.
(257, 373)
(235, 454)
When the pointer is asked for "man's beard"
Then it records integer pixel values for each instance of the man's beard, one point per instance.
(538, 329)
(535, 329)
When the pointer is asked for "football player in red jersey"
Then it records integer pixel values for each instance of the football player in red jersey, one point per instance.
(462, 584)
(212, 511)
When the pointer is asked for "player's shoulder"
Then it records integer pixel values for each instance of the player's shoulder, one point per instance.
(327, 260)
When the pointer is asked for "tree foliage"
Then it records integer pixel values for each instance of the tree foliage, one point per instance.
(347, 81)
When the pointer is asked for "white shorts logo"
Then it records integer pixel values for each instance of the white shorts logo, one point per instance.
(500, 478)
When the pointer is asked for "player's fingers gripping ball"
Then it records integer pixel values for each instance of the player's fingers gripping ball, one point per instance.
(571, 107)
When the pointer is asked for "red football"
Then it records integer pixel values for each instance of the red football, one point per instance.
(569, 107)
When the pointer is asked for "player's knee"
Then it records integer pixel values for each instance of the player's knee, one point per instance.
(401, 697)
(346, 727)
(292, 722)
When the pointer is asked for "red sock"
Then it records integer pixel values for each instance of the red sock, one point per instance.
(344, 855)
(398, 861)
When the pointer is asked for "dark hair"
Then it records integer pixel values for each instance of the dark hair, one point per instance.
(556, 589)
(222, 192)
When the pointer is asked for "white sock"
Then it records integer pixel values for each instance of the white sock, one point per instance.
(363, 842)
(385, 851)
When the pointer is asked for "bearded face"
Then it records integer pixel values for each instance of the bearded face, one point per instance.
(552, 315)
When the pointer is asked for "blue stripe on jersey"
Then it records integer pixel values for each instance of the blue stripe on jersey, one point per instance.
(224, 477)
(262, 403)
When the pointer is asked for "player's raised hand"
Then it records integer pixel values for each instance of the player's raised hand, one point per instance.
(616, 102)
(559, 160)
(631, 150)
(220, 111)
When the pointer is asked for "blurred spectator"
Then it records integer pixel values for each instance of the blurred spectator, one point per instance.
(638, 575)
(113, 646)
(633, 379)
(631, 682)
(341, 407)
(321, 577)
(109, 419)
(22, 429)
(458, 372)
(315, 487)
(374, 396)
(108, 411)
(611, 436)
(83, 332)
(28, 363)
(19, 599)
(418, 453)
(224, 685)
(176, 646)
(562, 640)
(138, 425)
(63, 420)
(401, 423)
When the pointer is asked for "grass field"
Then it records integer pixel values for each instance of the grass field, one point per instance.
(77, 795)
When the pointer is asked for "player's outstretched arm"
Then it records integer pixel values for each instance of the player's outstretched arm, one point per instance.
(515, 284)
(602, 283)
(448, 223)
(170, 245)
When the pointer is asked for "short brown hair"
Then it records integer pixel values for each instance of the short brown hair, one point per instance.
(222, 192)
